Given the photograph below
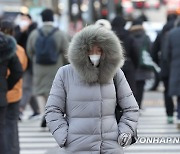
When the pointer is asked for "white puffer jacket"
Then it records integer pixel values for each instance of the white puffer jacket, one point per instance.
(87, 96)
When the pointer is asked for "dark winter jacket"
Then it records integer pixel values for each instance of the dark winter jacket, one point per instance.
(131, 53)
(8, 60)
(159, 47)
(172, 58)
(22, 37)
(142, 40)
(87, 95)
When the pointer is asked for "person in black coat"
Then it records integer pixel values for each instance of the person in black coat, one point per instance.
(131, 52)
(142, 41)
(159, 47)
(172, 58)
(8, 60)
(22, 32)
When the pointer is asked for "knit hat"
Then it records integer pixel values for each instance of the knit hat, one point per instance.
(103, 22)
(118, 21)
(47, 15)
(137, 21)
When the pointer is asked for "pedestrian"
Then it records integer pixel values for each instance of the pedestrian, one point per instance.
(24, 26)
(13, 97)
(172, 58)
(159, 48)
(131, 52)
(80, 111)
(142, 42)
(8, 60)
(46, 47)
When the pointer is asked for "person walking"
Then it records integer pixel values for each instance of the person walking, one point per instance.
(159, 48)
(46, 47)
(23, 28)
(131, 52)
(8, 60)
(172, 58)
(13, 97)
(142, 42)
(80, 111)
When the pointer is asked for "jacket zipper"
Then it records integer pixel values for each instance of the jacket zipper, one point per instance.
(101, 118)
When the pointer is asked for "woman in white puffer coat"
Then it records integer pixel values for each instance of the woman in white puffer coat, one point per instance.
(80, 110)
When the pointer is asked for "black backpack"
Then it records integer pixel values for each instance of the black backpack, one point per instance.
(46, 48)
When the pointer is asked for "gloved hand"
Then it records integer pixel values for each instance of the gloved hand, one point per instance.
(125, 139)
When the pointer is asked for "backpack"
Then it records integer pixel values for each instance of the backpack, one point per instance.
(46, 49)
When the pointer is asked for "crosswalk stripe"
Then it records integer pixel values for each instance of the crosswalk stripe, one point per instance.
(38, 145)
(35, 140)
(154, 147)
(139, 152)
(35, 134)
(33, 152)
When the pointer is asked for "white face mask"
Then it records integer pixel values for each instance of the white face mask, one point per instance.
(95, 59)
(23, 24)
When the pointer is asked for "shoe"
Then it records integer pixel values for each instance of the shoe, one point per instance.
(178, 124)
(20, 116)
(34, 116)
(170, 119)
(43, 123)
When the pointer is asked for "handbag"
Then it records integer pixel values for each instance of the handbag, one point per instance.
(145, 59)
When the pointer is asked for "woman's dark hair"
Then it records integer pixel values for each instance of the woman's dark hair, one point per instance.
(27, 15)
(7, 27)
(118, 21)
(137, 21)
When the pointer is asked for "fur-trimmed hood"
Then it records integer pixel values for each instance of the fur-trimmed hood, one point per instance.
(7, 47)
(136, 28)
(111, 59)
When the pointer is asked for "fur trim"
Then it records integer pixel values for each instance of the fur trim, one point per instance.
(111, 60)
(136, 28)
(7, 47)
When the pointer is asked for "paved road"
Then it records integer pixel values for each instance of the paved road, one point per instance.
(152, 124)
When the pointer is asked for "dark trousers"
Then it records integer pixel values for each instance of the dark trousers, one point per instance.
(168, 99)
(139, 91)
(27, 93)
(11, 127)
(2, 130)
(178, 107)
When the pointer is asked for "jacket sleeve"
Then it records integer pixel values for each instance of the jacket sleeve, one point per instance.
(30, 44)
(22, 57)
(166, 55)
(16, 71)
(149, 44)
(156, 48)
(65, 44)
(126, 100)
(24, 61)
(134, 52)
(55, 110)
